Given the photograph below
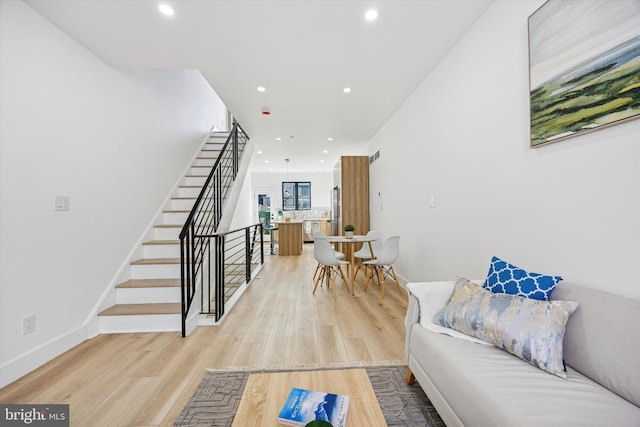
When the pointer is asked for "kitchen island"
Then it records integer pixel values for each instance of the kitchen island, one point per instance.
(289, 237)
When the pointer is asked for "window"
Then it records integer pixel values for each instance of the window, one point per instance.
(296, 196)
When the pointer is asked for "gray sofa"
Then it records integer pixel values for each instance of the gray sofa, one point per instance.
(480, 385)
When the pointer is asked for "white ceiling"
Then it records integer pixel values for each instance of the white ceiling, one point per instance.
(304, 52)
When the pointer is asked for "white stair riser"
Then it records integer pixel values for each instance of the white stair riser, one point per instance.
(146, 323)
(200, 170)
(174, 217)
(155, 271)
(211, 150)
(182, 204)
(147, 295)
(169, 233)
(189, 191)
(210, 155)
(206, 161)
(195, 180)
(161, 251)
(178, 219)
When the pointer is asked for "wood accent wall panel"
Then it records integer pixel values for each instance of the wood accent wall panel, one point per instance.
(355, 195)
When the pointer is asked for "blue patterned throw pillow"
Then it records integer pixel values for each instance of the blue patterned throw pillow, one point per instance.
(504, 278)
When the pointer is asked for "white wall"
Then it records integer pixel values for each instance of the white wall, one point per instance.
(571, 208)
(243, 214)
(114, 141)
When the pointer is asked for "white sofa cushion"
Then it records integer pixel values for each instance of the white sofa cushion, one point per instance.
(602, 338)
(486, 386)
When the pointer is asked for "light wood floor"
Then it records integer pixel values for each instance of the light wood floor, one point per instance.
(146, 379)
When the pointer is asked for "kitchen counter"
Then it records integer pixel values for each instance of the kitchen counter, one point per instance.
(289, 237)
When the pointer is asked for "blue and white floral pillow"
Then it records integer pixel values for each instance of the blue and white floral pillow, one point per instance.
(504, 278)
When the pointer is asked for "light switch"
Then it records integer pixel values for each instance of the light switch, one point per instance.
(62, 203)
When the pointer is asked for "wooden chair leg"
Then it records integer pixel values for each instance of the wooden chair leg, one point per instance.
(410, 377)
(368, 278)
(316, 272)
(334, 283)
(346, 282)
(318, 280)
(395, 277)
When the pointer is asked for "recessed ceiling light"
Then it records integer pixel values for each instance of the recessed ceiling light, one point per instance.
(266, 161)
(321, 161)
(166, 9)
(371, 15)
(261, 89)
(347, 90)
(259, 151)
(329, 139)
(325, 151)
(278, 139)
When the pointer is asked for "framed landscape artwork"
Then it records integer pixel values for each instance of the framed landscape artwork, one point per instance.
(584, 67)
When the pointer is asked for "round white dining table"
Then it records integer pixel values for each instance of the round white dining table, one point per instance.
(349, 253)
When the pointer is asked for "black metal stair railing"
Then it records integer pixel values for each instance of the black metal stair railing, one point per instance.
(232, 258)
(200, 229)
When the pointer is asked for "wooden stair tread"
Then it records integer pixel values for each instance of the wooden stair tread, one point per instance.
(156, 261)
(142, 309)
(149, 283)
(162, 242)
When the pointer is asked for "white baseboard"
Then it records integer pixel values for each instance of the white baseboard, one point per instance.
(22, 365)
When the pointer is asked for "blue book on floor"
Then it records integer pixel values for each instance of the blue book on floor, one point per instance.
(303, 406)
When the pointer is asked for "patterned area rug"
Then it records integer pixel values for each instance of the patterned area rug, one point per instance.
(216, 399)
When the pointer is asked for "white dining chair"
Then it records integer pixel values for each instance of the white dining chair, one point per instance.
(322, 235)
(383, 264)
(330, 265)
(365, 253)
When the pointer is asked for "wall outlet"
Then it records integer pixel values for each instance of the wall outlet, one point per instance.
(28, 324)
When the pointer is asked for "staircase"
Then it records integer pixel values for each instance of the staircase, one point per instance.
(150, 299)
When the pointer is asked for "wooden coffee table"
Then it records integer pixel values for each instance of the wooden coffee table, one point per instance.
(265, 393)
